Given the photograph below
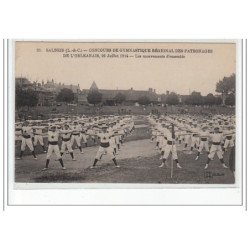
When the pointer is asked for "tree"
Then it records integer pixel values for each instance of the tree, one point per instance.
(210, 99)
(172, 99)
(226, 86)
(230, 100)
(65, 95)
(218, 100)
(94, 97)
(119, 98)
(144, 100)
(194, 99)
(26, 98)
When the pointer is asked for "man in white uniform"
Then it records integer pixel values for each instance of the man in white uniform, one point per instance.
(163, 140)
(91, 133)
(116, 128)
(229, 138)
(76, 129)
(112, 139)
(66, 143)
(26, 140)
(204, 135)
(37, 131)
(105, 146)
(53, 137)
(170, 147)
(51, 123)
(83, 135)
(195, 140)
(158, 134)
(217, 138)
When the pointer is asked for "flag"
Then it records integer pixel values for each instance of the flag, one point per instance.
(173, 134)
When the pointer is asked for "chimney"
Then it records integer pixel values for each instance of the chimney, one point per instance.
(167, 92)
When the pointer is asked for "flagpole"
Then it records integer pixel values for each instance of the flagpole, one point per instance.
(172, 163)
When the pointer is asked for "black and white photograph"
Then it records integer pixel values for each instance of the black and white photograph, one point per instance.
(148, 112)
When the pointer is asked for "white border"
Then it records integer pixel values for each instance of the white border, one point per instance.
(126, 194)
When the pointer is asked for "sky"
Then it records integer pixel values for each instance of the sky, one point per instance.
(195, 72)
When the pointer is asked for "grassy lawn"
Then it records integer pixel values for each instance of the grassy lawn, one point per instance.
(47, 112)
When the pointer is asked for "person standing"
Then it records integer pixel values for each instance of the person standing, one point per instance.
(66, 134)
(195, 140)
(105, 147)
(76, 129)
(229, 138)
(37, 131)
(26, 132)
(170, 147)
(83, 136)
(216, 138)
(204, 135)
(53, 137)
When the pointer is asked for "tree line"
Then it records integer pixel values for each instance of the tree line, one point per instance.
(225, 87)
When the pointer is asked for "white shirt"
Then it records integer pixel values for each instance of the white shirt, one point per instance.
(204, 134)
(110, 130)
(104, 137)
(76, 129)
(168, 135)
(27, 131)
(66, 133)
(53, 136)
(195, 130)
(216, 137)
(38, 130)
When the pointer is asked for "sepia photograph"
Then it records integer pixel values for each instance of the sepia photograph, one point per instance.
(124, 125)
(131, 112)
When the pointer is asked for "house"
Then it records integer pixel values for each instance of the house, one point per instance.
(131, 95)
(47, 93)
(82, 97)
(55, 88)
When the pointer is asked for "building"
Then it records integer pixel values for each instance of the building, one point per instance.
(56, 87)
(23, 81)
(131, 95)
(47, 93)
(45, 98)
(183, 98)
(82, 97)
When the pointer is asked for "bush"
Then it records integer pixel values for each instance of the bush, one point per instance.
(65, 95)
(94, 97)
(144, 100)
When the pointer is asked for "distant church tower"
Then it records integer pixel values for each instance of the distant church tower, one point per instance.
(93, 86)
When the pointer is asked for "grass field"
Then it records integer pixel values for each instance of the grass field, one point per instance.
(139, 164)
(48, 112)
